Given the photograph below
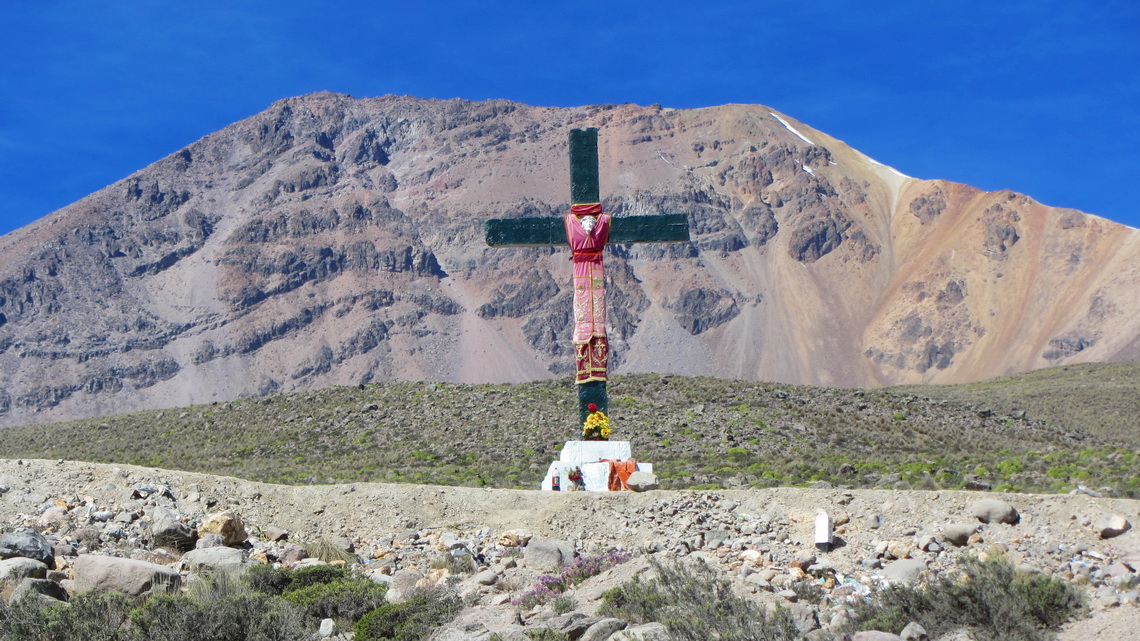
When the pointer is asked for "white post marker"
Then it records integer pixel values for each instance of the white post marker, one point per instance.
(823, 531)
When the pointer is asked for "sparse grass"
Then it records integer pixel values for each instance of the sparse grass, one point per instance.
(1027, 432)
(328, 552)
(991, 598)
(564, 604)
(694, 604)
(1101, 399)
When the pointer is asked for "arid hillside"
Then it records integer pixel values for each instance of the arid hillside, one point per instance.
(330, 240)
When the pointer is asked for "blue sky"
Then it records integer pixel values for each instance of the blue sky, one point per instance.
(1042, 96)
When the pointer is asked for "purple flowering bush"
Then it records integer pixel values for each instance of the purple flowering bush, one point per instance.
(549, 587)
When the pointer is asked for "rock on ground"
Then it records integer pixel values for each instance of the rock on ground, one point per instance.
(28, 544)
(410, 536)
(548, 555)
(129, 576)
(994, 511)
(1112, 525)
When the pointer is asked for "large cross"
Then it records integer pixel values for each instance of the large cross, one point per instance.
(587, 229)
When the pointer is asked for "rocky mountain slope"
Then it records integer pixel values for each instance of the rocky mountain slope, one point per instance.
(330, 240)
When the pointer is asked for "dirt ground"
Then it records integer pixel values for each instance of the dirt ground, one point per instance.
(1055, 533)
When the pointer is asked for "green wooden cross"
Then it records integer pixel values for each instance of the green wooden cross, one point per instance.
(544, 232)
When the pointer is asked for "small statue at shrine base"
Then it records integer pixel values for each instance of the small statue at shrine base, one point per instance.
(597, 426)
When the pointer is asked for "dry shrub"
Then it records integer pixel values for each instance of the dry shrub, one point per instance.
(695, 604)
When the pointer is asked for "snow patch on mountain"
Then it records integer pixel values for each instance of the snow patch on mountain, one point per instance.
(892, 169)
(792, 129)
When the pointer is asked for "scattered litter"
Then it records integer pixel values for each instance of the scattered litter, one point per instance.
(146, 492)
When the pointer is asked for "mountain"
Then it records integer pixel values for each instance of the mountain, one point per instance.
(331, 240)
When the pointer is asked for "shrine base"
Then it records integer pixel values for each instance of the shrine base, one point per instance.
(587, 456)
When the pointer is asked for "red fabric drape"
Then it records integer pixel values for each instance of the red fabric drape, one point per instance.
(620, 472)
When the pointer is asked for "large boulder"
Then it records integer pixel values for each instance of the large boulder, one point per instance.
(548, 555)
(994, 511)
(642, 482)
(215, 560)
(1112, 525)
(958, 534)
(804, 617)
(403, 583)
(646, 632)
(914, 632)
(293, 554)
(172, 533)
(131, 577)
(875, 635)
(226, 524)
(28, 544)
(573, 624)
(19, 568)
(38, 587)
(603, 630)
(903, 571)
(16, 570)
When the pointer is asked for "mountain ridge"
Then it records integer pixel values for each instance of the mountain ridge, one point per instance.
(332, 240)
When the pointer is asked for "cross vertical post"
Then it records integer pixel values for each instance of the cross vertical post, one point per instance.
(587, 229)
(584, 191)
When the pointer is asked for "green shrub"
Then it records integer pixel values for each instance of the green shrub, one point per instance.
(87, 617)
(564, 604)
(249, 617)
(990, 597)
(809, 592)
(277, 581)
(694, 604)
(211, 611)
(547, 634)
(461, 564)
(343, 600)
(412, 620)
(218, 610)
(267, 579)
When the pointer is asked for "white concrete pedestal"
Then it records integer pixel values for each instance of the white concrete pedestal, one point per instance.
(587, 455)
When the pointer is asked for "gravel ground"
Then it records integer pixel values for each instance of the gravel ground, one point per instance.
(1055, 534)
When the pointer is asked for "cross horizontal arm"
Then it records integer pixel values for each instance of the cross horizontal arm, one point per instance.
(547, 231)
(524, 232)
(660, 228)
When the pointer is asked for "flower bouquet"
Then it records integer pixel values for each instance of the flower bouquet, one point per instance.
(597, 426)
(576, 480)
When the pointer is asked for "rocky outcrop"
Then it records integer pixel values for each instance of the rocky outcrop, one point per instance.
(699, 310)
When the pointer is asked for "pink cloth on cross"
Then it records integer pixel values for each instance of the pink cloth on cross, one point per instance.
(590, 343)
